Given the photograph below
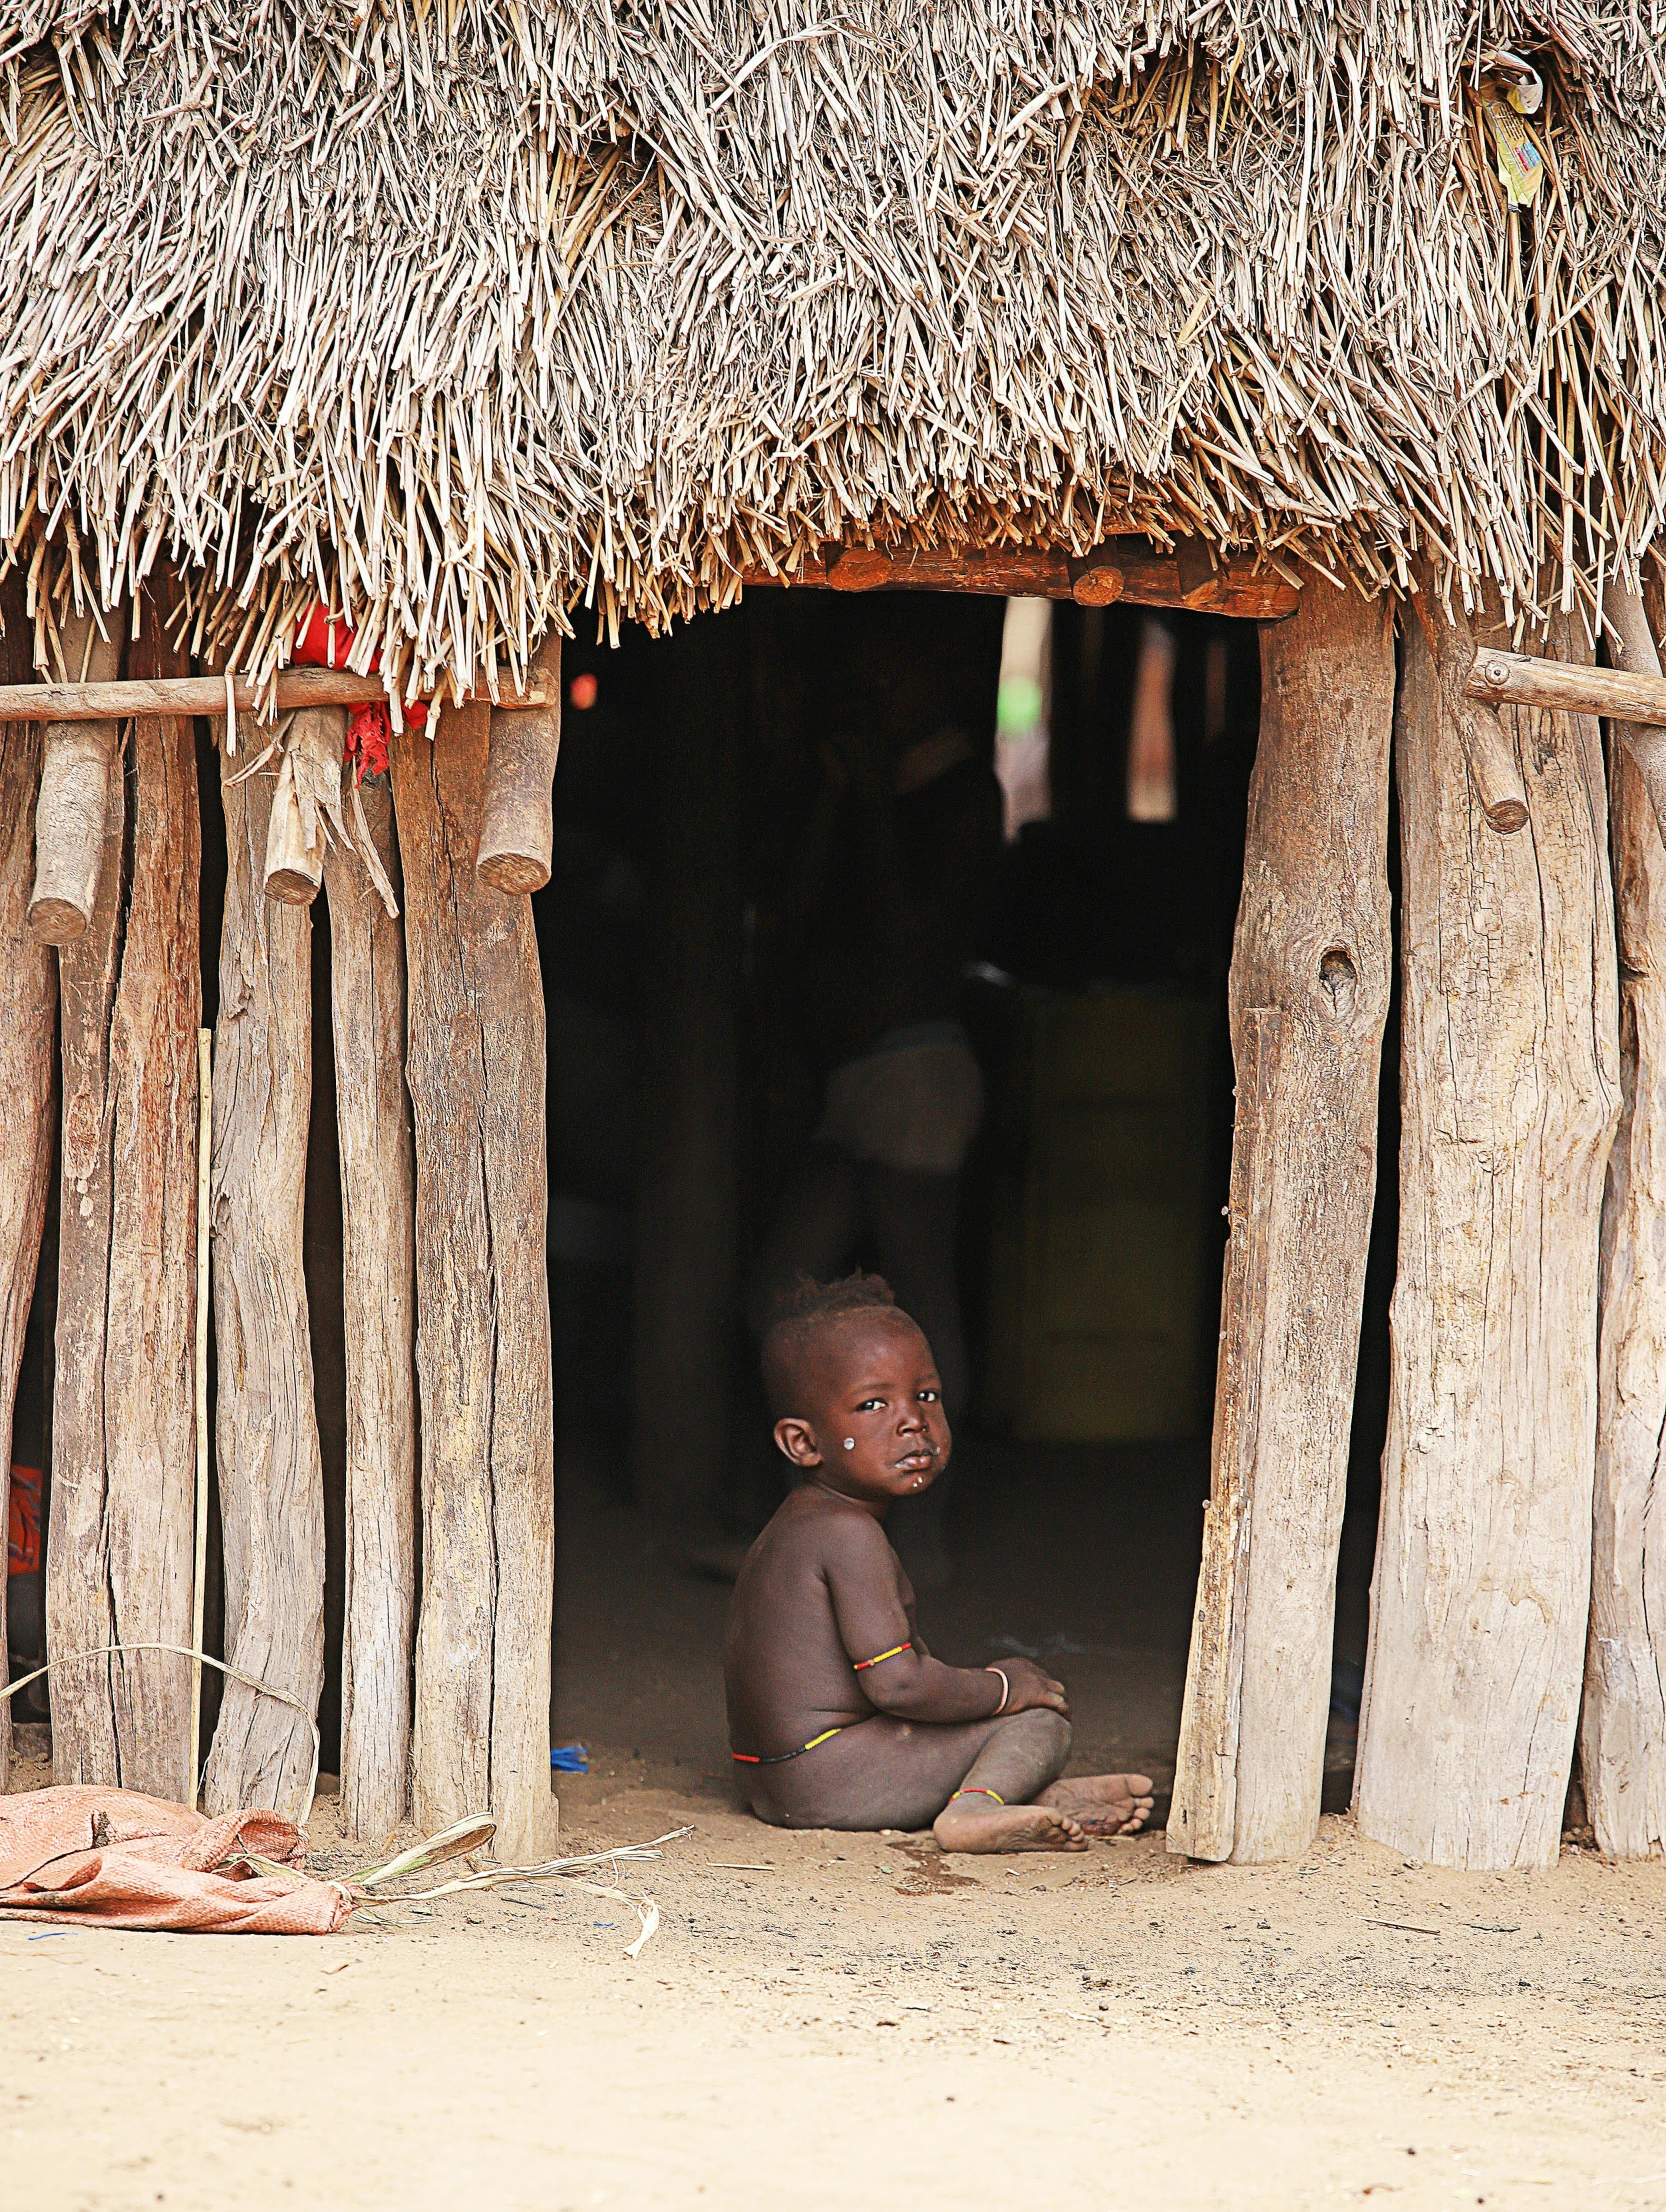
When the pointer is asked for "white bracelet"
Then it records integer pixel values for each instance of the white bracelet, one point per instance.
(1006, 1689)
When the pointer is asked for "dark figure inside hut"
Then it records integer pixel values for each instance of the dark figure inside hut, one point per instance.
(885, 901)
(839, 1717)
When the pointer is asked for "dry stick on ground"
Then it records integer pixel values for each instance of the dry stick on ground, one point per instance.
(266, 1437)
(76, 772)
(1510, 1090)
(1312, 948)
(28, 997)
(517, 830)
(476, 1026)
(1623, 1726)
(378, 1183)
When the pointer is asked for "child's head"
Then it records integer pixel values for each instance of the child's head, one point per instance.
(854, 1390)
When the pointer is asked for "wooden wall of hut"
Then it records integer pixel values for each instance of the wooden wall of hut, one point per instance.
(473, 1687)
(1507, 1430)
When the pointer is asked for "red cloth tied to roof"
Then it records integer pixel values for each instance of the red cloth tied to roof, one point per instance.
(124, 1860)
(321, 643)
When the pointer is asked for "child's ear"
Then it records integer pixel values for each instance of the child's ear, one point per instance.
(797, 1439)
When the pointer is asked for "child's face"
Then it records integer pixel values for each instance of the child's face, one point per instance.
(876, 1430)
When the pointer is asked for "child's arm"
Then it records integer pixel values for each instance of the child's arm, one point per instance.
(878, 1641)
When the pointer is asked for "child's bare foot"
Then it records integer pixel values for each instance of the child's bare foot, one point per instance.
(978, 1824)
(1103, 1804)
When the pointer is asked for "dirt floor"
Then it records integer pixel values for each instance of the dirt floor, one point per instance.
(851, 2020)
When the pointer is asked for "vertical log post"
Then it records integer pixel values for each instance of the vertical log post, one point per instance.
(1309, 995)
(476, 1027)
(266, 1426)
(1623, 1726)
(149, 1392)
(686, 1201)
(72, 811)
(1510, 1091)
(80, 1615)
(378, 1186)
(28, 998)
(517, 830)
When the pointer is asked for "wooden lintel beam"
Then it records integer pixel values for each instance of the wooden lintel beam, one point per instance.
(1515, 679)
(1128, 569)
(297, 687)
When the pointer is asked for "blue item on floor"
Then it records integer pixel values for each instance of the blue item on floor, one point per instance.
(569, 1758)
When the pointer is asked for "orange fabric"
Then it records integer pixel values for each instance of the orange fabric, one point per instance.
(120, 1859)
(23, 1522)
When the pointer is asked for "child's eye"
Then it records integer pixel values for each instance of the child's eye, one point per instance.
(871, 1405)
(929, 1397)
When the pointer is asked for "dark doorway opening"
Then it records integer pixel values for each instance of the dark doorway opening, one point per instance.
(1089, 1207)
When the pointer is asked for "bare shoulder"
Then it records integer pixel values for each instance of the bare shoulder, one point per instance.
(831, 1529)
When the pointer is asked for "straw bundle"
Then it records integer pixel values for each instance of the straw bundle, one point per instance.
(463, 312)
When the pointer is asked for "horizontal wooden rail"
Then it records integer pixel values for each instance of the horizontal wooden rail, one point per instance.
(297, 687)
(1517, 679)
(1127, 569)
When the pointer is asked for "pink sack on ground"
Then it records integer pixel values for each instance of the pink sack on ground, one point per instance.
(120, 1859)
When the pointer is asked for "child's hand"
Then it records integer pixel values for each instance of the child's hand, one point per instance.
(1029, 1688)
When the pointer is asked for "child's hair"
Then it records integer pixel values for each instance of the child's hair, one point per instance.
(806, 1312)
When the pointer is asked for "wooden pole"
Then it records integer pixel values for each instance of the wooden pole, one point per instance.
(1623, 1723)
(306, 797)
(476, 1026)
(199, 1555)
(206, 695)
(1634, 694)
(517, 830)
(28, 999)
(78, 1596)
(120, 1548)
(378, 1180)
(1309, 994)
(71, 811)
(266, 1432)
(1510, 1091)
(1202, 1821)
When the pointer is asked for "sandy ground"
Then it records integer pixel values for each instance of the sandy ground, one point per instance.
(836, 2020)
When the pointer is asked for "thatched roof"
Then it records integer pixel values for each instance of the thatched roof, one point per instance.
(473, 309)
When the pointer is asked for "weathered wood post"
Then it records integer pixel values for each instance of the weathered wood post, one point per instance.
(1309, 992)
(1510, 1090)
(28, 1001)
(1623, 1725)
(517, 830)
(378, 1229)
(77, 768)
(266, 1429)
(119, 1563)
(476, 1027)
(79, 1614)
(308, 789)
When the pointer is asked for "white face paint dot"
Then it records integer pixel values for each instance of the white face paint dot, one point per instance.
(850, 1443)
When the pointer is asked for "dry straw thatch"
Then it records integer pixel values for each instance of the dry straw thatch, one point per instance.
(462, 312)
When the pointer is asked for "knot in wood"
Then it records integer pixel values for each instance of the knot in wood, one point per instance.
(1339, 980)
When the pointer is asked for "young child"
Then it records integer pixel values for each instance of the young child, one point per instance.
(838, 1715)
